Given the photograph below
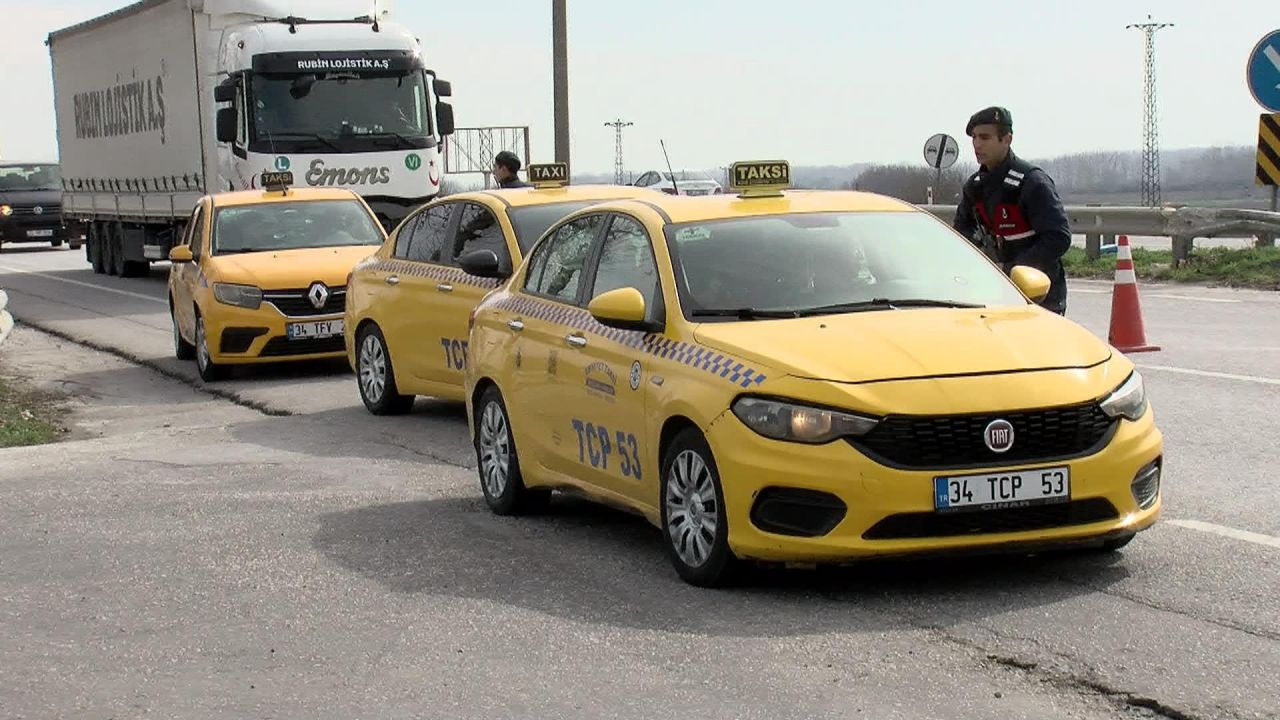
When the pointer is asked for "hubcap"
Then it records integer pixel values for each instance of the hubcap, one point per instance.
(202, 344)
(495, 450)
(692, 512)
(373, 368)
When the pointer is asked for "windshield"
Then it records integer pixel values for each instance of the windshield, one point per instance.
(807, 262)
(341, 112)
(530, 222)
(292, 226)
(30, 177)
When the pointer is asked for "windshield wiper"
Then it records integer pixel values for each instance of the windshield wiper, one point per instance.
(402, 141)
(746, 313)
(885, 304)
(312, 136)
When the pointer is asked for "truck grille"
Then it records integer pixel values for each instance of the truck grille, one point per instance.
(295, 303)
(956, 441)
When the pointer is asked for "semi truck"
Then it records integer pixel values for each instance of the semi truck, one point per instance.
(163, 101)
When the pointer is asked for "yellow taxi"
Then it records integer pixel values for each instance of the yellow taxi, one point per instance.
(258, 275)
(407, 305)
(802, 376)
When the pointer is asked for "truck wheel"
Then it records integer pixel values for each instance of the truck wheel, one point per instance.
(209, 370)
(95, 251)
(115, 258)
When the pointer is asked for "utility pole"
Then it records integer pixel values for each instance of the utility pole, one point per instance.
(560, 78)
(617, 126)
(1150, 124)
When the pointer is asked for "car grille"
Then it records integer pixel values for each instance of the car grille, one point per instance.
(1039, 517)
(50, 211)
(295, 303)
(956, 441)
(281, 346)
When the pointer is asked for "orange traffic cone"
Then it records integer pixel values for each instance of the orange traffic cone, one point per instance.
(1127, 333)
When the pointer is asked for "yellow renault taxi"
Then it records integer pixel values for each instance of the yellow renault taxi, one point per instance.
(814, 377)
(407, 306)
(258, 274)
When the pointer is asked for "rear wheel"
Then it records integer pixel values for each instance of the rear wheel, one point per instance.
(96, 249)
(376, 377)
(115, 258)
(694, 521)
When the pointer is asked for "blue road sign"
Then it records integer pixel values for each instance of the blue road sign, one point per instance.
(1264, 72)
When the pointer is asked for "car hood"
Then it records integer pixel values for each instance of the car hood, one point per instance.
(910, 343)
(291, 269)
(45, 198)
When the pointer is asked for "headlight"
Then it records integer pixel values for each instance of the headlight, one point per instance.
(5, 210)
(798, 423)
(1128, 401)
(246, 296)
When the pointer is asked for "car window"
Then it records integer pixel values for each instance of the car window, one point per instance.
(404, 234)
(428, 242)
(197, 232)
(556, 268)
(626, 260)
(478, 229)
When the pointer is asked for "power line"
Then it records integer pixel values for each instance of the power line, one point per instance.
(617, 126)
(1150, 122)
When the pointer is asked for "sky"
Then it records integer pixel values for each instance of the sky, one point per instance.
(814, 82)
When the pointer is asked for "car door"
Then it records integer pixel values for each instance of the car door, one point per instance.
(412, 324)
(608, 406)
(476, 228)
(548, 310)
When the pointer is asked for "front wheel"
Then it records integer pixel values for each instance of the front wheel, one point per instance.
(182, 349)
(209, 370)
(695, 523)
(497, 462)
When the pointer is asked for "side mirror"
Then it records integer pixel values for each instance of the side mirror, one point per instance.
(442, 88)
(225, 91)
(482, 263)
(226, 125)
(444, 118)
(1033, 283)
(622, 308)
(180, 254)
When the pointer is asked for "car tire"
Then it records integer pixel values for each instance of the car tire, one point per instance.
(375, 377)
(208, 369)
(182, 349)
(692, 497)
(55, 243)
(498, 463)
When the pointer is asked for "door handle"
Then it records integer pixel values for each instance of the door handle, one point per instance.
(516, 325)
(393, 280)
(444, 287)
(575, 341)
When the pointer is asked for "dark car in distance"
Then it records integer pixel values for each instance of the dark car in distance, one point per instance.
(31, 206)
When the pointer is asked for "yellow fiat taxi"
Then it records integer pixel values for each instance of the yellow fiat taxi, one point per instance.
(407, 306)
(258, 275)
(806, 376)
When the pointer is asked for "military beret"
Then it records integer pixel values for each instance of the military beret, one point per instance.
(990, 116)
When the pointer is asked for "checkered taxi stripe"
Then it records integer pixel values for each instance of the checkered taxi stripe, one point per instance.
(433, 272)
(690, 355)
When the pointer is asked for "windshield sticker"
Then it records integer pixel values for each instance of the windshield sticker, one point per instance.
(693, 234)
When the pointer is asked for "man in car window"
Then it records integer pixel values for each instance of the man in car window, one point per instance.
(505, 167)
(1011, 208)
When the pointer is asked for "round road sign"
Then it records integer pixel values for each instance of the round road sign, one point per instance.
(941, 151)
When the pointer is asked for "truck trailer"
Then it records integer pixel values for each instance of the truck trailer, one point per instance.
(163, 101)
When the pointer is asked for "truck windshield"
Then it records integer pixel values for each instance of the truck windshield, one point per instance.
(30, 177)
(293, 226)
(342, 112)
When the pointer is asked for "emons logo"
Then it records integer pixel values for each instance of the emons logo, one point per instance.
(318, 174)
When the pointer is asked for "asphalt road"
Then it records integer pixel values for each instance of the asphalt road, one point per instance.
(278, 552)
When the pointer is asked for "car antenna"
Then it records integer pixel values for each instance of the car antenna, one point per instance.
(673, 172)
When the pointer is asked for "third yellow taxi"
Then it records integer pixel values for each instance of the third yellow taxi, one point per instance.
(407, 305)
(808, 376)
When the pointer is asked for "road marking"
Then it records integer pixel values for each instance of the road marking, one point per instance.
(1090, 291)
(69, 281)
(1209, 373)
(1225, 531)
(1172, 296)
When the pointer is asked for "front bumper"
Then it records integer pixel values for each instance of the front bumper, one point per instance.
(19, 228)
(851, 507)
(240, 336)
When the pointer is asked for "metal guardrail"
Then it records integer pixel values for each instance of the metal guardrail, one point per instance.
(6, 320)
(1181, 224)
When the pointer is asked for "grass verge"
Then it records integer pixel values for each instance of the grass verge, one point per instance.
(27, 417)
(1257, 268)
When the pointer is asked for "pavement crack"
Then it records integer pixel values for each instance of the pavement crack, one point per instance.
(153, 365)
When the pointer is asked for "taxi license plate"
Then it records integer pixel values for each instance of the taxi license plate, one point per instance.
(1006, 489)
(40, 233)
(310, 330)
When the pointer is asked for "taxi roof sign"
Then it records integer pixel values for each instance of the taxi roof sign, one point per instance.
(761, 178)
(277, 180)
(549, 175)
